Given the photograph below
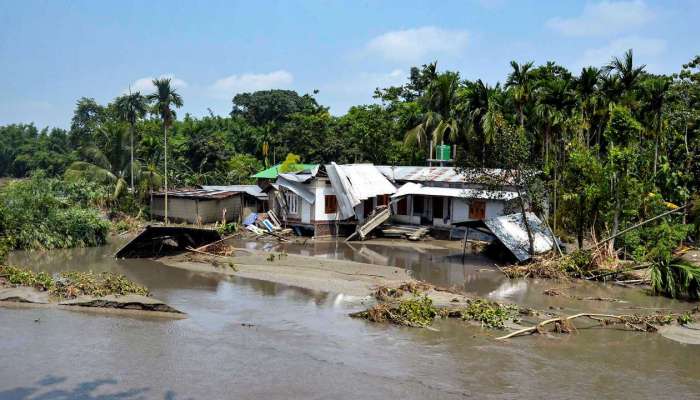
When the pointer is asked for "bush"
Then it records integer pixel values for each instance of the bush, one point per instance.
(43, 213)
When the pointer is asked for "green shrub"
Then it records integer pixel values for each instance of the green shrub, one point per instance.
(489, 314)
(44, 213)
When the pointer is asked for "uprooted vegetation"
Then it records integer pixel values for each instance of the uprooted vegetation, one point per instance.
(654, 260)
(71, 284)
(410, 305)
(635, 322)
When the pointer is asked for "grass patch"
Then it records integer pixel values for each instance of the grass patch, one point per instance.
(71, 284)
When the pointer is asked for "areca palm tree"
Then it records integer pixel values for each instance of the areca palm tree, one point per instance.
(483, 113)
(624, 68)
(520, 82)
(131, 107)
(555, 98)
(163, 99)
(655, 90)
(440, 102)
(587, 86)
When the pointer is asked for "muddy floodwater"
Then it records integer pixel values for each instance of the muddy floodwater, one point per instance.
(250, 339)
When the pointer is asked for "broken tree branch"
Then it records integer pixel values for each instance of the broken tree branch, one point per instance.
(538, 327)
(622, 232)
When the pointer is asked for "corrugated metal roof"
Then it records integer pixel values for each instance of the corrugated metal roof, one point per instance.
(253, 190)
(353, 183)
(198, 194)
(430, 174)
(418, 189)
(510, 230)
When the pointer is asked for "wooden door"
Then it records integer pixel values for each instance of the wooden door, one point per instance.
(477, 209)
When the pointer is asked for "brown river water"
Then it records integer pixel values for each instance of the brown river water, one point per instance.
(249, 339)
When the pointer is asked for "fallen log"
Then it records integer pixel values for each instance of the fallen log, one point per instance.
(641, 323)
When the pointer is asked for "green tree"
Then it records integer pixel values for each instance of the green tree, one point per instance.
(164, 98)
(520, 83)
(131, 107)
(441, 116)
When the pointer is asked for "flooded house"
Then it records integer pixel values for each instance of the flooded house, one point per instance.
(442, 197)
(329, 199)
(336, 199)
(208, 204)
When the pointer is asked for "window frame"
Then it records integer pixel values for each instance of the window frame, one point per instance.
(292, 203)
(330, 207)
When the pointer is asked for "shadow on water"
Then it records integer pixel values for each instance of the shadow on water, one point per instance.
(49, 388)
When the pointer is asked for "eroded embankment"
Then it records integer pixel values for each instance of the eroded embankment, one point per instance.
(20, 287)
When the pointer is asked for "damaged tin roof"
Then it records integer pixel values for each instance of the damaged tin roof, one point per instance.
(434, 174)
(413, 188)
(510, 230)
(253, 190)
(201, 194)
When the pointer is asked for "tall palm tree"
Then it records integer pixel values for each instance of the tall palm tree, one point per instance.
(163, 99)
(483, 113)
(440, 102)
(655, 90)
(131, 107)
(555, 98)
(587, 85)
(624, 68)
(520, 82)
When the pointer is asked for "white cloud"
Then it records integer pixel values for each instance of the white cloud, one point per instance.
(645, 50)
(416, 45)
(145, 85)
(604, 18)
(230, 85)
(363, 84)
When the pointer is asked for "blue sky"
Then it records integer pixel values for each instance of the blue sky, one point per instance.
(54, 52)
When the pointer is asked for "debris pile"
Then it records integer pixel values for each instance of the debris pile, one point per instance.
(262, 225)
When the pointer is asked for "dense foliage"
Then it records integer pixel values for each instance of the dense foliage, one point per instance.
(48, 213)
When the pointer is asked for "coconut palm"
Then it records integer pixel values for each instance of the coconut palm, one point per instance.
(441, 117)
(520, 82)
(131, 107)
(106, 164)
(163, 99)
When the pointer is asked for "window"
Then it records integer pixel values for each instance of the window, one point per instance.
(477, 209)
(292, 203)
(383, 200)
(331, 204)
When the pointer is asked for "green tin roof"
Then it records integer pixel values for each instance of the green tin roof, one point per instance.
(272, 172)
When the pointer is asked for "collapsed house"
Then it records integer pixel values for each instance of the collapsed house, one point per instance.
(338, 199)
(329, 199)
(208, 204)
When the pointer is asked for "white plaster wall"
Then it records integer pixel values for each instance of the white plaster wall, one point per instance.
(494, 208)
(320, 204)
(460, 210)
